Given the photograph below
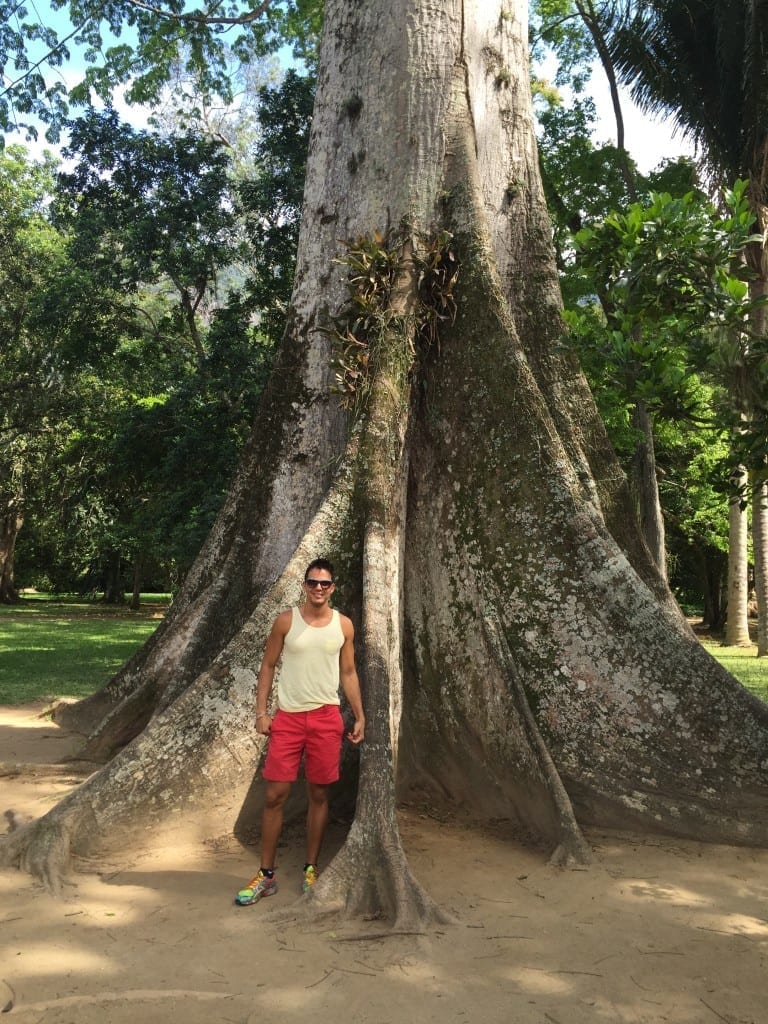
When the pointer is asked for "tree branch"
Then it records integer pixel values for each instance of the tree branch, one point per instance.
(192, 17)
(203, 18)
(44, 58)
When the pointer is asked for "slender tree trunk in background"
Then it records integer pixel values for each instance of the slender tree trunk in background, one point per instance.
(760, 547)
(135, 602)
(757, 255)
(712, 570)
(591, 19)
(10, 524)
(112, 580)
(519, 653)
(737, 619)
(646, 488)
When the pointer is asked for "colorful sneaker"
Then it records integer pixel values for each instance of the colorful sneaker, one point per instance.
(310, 877)
(259, 886)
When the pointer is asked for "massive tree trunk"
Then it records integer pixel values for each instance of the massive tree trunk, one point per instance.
(519, 651)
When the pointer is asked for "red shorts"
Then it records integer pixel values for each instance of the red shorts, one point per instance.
(317, 734)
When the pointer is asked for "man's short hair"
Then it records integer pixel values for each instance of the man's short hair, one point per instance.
(320, 563)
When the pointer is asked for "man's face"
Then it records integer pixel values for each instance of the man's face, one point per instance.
(318, 587)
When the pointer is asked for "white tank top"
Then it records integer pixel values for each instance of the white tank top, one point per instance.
(309, 674)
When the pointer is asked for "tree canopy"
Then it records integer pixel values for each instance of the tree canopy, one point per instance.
(138, 47)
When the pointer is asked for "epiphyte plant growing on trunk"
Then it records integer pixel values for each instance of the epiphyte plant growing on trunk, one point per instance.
(374, 265)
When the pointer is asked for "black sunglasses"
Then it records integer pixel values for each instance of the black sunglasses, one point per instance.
(325, 584)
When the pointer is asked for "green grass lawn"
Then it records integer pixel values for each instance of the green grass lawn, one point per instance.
(68, 647)
(743, 663)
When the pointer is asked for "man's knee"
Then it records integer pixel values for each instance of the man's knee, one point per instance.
(317, 794)
(276, 795)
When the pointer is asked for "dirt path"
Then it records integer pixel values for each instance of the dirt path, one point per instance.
(658, 930)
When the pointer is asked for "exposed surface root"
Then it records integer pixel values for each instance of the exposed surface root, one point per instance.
(68, 768)
(42, 849)
(370, 879)
(15, 820)
(572, 848)
(572, 854)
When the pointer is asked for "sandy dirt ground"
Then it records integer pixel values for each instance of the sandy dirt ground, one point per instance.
(658, 930)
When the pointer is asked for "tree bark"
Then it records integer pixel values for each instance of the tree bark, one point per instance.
(135, 603)
(712, 568)
(760, 547)
(519, 651)
(737, 620)
(646, 487)
(10, 524)
(112, 578)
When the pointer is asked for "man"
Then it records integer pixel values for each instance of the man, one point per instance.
(317, 645)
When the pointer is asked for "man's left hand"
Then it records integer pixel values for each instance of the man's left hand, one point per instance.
(357, 735)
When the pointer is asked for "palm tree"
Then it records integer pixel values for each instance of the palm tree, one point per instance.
(704, 63)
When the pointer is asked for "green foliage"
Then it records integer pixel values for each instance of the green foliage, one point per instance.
(705, 63)
(582, 182)
(373, 266)
(300, 22)
(127, 440)
(656, 292)
(142, 208)
(28, 245)
(33, 393)
(670, 284)
(556, 25)
(169, 283)
(437, 270)
(694, 461)
(137, 45)
(270, 199)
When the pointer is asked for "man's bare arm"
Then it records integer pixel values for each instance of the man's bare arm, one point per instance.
(272, 652)
(350, 683)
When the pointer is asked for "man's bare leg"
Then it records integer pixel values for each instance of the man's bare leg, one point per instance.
(317, 819)
(272, 821)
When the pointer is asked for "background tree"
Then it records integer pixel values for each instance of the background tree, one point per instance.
(569, 28)
(271, 196)
(164, 408)
(666, 274)
(705, 63)
(144, 209)
(89, 345)
(597, 181)
(29, 375)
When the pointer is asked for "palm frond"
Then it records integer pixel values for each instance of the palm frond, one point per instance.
(705, 62)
